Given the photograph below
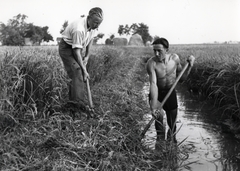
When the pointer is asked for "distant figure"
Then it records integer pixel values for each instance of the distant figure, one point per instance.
(163, 69)
(77, 38)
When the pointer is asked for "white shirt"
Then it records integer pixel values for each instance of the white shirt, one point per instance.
(77, 34)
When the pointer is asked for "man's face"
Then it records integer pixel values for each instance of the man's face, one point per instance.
(94, 22)
(159, 51)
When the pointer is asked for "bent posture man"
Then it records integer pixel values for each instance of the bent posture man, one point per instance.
(76, 38)
(163, 69)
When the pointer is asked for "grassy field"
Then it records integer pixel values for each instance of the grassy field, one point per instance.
(37, 132)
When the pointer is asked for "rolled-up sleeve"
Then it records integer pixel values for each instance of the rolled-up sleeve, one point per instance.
(77, 38)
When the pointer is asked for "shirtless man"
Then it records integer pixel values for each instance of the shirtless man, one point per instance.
(163, 69)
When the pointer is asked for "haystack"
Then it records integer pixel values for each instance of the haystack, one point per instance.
(119, 41)
(148, 43)
(136, 40)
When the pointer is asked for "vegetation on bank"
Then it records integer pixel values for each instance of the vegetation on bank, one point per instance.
(216, 76)
(38, 133)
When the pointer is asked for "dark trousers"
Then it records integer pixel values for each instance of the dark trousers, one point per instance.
(170, 107)
(74, 71)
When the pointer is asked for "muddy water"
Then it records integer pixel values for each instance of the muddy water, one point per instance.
(208, 145)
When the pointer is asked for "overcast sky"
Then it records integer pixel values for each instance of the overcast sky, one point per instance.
(180, 21)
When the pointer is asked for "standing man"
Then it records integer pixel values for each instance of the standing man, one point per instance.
(77, 38)
(163, 69)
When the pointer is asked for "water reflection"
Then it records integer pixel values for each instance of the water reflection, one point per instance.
(206, 143)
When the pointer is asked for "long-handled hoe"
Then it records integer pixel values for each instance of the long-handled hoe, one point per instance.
(164, 100)
(91, 109)
(91, 112)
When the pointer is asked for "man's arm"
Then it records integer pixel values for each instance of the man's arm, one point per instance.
(153, 86)
(86, 57)
(190, 59)
(77, 37)
(78, 57)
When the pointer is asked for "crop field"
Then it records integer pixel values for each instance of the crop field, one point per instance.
(38, 132)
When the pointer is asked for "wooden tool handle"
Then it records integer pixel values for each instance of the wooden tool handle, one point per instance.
(89, 94)
(165, 99)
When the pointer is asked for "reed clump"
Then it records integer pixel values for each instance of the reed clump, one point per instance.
(216, 76)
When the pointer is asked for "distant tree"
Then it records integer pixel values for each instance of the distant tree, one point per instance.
(13, 32)
(127, 29)
(18, 22)
(17, 29)
(65, 24)
(112, 36)
(109, 41)
(134, 27)
(46, 35)
(99, 36)
(34, 33)
(38, 34)
(124, 30)
(10, 36)
(121, 30)
(141, 29)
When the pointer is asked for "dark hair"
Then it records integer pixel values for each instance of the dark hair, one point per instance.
(161, 41)
(96, 11)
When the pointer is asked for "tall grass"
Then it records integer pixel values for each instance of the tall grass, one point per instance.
(31, 79)
(37, 131)
(216, 75)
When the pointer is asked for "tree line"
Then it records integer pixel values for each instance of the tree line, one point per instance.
(140, 28)
(17, 29)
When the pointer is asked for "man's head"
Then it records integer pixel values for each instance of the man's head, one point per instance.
(95, 18)
(161, 41)
(160, 47)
